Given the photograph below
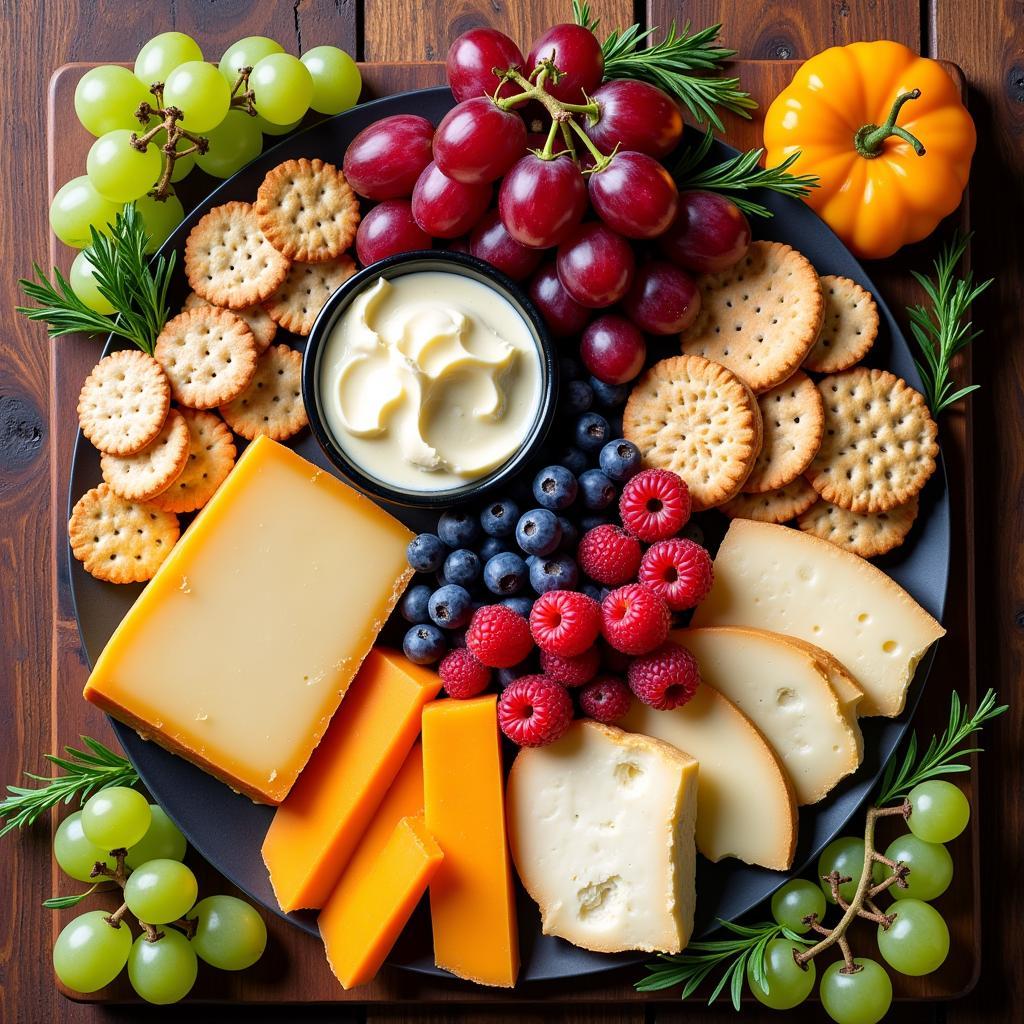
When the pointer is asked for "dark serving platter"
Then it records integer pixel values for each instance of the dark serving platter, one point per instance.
(227, 829)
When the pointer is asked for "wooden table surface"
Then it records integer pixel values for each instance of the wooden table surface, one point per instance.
(985, 37)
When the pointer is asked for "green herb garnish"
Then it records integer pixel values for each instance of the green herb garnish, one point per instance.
(64, 902)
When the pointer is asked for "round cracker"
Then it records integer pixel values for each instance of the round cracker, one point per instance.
(849, 327)
(211, 454)
(759, 318)
(208, 354)
(264, 330)
(698, 419)
(307, 210)
(880, 441)
(145, 474)
(793, 419)
(272, 404)
(120, 541)
(305, 291)
(867, 535)
(124, 402)
(228, 259)
(773, 506)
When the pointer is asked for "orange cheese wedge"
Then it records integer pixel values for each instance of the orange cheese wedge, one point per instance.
(318, 826)
(472, 906)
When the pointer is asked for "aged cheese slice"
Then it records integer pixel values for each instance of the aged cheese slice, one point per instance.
(472, 903)
(318, 825)
(240, 649)
(785, 691)
(773, 577)
(746, 807)
(601, 824)
(843, 685)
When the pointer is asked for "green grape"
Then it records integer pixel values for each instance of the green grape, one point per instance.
(931, 868)
(162, 54)
(787, 984)
(860, 998)
(246, 53)
(199, 91)
(162, 841)
(89, 953)
(83, 284)
(336, 79)
(161, 890)
(283, 88)
(795, 901)
(233, 143)
(71, 849)
(77, 206)
(939, 811)
(276, 129)
(116, 817)
(845, 855)
(160, 218)
(107, 98)
(118, 170)
(917, 942)
(163, 971)
(230, 934)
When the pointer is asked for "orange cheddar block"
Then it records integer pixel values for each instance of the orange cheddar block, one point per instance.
(361, 923)
(472, 904)
(318, 826)
(241, 648)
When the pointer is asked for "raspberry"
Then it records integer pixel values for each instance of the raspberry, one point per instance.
(609, 555)
(462, 675)
(565, 622)
(533, 711)
(498, 636)
(678, 570)
(666, 678)
(655, 504)
(634, 619)
(606, 699)
(574, 671)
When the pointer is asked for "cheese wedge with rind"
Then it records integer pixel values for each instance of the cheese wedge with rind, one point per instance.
(601, 824)
(780, 579)
(746, 807)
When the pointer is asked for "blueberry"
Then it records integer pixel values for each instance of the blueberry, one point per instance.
(589, 522)
(414, 604)
(573, 459)
(520, 605)
(492, 546)
(593, 591)
(538, 532)
(425, 552)
(505, 574)
(620, 460)
(592, 433)
(578, 397)
(597, 490)
(570, 369)
(556, 573)
(458, 529)
(555, 487)
(499, 518)
(462, 567)
(609, 395)
(450, 606)
(424, 644)
(570, 536)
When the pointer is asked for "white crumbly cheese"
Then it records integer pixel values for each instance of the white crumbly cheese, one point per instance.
(777, 578)
(601, 825)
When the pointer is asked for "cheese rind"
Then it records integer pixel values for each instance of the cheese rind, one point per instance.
(780, 579)
(601, 824)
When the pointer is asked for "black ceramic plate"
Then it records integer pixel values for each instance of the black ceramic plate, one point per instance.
(228, 830)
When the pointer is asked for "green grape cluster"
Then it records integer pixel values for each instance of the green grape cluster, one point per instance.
(93, 949)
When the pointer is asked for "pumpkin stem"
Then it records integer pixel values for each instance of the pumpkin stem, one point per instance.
(870, 137)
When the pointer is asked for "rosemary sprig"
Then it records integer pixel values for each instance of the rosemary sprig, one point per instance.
(671, 64)
(940, 757)
(64, 902)
(125, 277)
(85, 772)
(941, 331)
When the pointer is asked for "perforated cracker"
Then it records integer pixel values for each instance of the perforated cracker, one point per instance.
(868, 535)
(849, 328)
(211, 454)
(145, 474)
(778, 506)
(272, 403)
(305, 291)
(263, 328)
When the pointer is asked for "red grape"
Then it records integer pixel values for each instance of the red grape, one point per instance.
(634, 194)
(635, 115)
(562, 313)
(387, 229)
(491, 243)
(577, 54)
(541, 201)
(709, 233)
(662, 299)
(612, 349)
(472, 58)
(477, 142)
(384, 160)
(445, 208)
(595, 265)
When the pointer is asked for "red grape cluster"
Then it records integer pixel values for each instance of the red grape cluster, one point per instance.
(554, 177)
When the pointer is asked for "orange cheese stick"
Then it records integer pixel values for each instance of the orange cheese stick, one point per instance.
(472, 905)
(318, 826)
